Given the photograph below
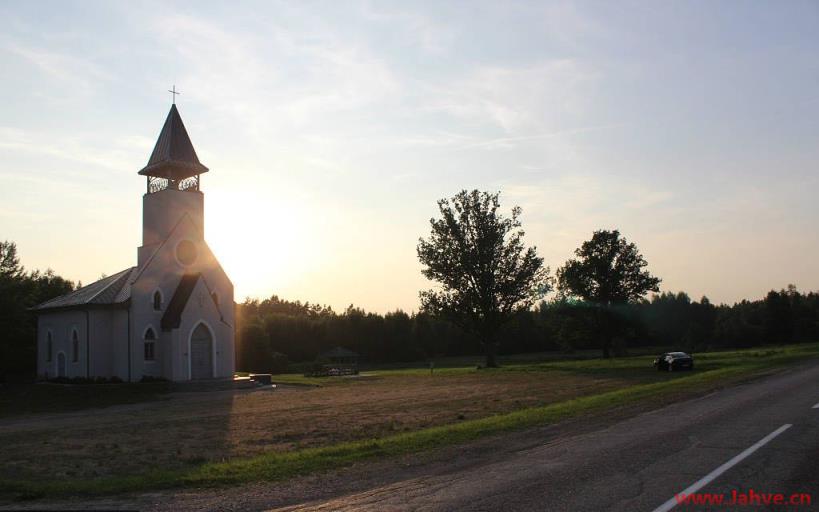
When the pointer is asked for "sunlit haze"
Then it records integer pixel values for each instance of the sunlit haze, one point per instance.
(331, 129)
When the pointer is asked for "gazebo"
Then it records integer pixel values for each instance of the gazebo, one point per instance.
(340, 356)
(337, 361)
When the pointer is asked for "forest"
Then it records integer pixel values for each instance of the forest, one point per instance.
(274, 330)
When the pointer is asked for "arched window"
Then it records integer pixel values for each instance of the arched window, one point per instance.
(215, 298)
(49, 347)
(157, 300)
(150, 344)
(75, 347)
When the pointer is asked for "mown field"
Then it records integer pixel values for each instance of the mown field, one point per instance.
(164, 439)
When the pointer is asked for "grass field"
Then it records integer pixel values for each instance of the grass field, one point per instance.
(171, 439)
(24, 398)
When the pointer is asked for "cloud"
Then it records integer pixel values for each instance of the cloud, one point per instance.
(512, 142)
(575, 203)
(566, 24)
(220, 69)
(70, 72)
(417, 28)
(291, 77)
(518, 100)
(97, 149)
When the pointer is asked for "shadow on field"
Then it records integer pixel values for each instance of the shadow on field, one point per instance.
(30, 398)
(99, 430)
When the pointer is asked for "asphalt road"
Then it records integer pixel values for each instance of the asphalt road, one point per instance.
(761, 436)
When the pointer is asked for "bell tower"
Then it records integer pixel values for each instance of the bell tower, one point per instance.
(173, 178)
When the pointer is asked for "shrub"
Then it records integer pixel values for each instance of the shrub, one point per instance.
(151, 378)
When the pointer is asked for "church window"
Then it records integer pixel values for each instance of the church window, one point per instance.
(157, 301)
(75, 347)
(215, 298)
(49, 347)
(150, 345)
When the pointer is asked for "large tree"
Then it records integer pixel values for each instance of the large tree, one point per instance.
(486, 274)
(608, 270)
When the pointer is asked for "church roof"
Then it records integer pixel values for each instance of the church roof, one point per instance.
(115, 289)
(172, 317)
(173, 314)
(173, 156)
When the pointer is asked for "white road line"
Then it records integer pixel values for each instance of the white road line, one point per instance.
(707, 479)
(815, 406)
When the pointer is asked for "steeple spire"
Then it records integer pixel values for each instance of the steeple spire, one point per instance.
(173, 160)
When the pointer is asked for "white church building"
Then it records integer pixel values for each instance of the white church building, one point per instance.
(170, 316)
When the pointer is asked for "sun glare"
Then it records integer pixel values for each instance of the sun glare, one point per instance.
(262, 244)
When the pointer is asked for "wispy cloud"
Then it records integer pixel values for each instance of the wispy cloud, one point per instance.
(290, 78)
(68, 72)
(519, 99)
(90, 148)
(512, 142)
(429, 34)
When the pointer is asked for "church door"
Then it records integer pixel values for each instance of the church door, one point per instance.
(201, 353)
(61, 364)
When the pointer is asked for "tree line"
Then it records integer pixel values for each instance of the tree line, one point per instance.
(274, 331)
(490, 296)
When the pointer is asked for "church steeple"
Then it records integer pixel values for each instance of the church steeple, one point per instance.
(173, 187)
(173, 163)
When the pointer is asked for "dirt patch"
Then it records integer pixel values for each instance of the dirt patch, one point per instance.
(188, 429)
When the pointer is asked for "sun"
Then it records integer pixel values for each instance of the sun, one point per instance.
(263, 244)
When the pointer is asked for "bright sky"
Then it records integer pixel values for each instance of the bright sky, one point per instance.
(331, 128)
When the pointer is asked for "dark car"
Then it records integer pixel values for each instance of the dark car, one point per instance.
(673, 361)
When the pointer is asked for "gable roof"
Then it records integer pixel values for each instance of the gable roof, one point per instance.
(172, 318)
(115, 289)
(173, 314)
(173, 156)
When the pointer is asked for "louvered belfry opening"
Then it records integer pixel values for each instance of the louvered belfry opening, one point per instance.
(173, 163)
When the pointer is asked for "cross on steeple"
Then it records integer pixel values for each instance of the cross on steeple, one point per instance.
(174, 94)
